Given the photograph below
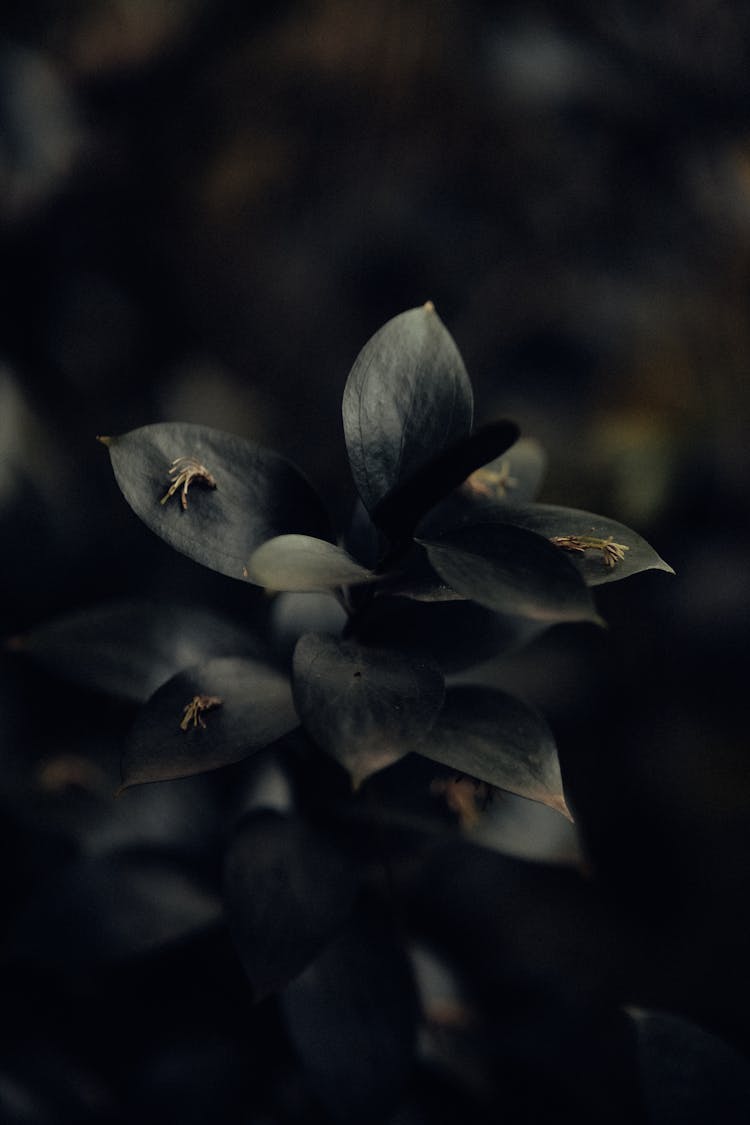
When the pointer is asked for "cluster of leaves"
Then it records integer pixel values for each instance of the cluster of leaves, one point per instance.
(447, 562)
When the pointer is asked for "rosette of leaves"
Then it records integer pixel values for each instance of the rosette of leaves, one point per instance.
(447, 562)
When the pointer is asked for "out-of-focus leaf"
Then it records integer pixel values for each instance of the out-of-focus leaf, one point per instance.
(401, 510)
(110, 907)
(300, 563)
(514, 477)
(352, 1018)
(257, 493)
(496, 738)
(517, 475)
(287, 890)
(515, 826)
(549, 923)
(407, 399)
(688, 1075)
(456, 634)
(40, 131)
(513, 571)
(440, 1096)
(294, 614)
(184, 817)
(173, 736)
(44, 1085)
(366, 707)
(129, 648)
(14, 438)
(192, 1075)
(553, 521)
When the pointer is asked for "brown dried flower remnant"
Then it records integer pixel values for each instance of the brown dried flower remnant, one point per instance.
(196, 708)
(183, 471)
(492, 483)
(611, 552)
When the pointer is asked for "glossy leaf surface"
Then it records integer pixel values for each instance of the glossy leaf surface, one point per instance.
(256, 708)
(407, 399)
(513, 571)
(287, 890)
(550, 520)
(497, 738)
(301, 563)
(352, 1018)
(367, 707)
(129, 648)
(258, 494)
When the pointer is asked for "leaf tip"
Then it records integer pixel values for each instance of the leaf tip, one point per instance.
(559, 804)
(428, 307)
(104, 439)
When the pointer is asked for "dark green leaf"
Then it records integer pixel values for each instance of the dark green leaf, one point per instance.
(256, 708)
(303, 564)
(258, 494)
(496, 738)
(401, 510)
(407, 399)
(366, 707)
(352, 1018)
(688, 1075)
(513, 571)
(362, 538)
(424, 585)
(109, 907)
(287, 890)
(552, 521)
(456, 634)
(416, 578)
(515, 477)
(129, 648)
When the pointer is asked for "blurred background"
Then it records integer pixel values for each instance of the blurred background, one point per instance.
(207, 208)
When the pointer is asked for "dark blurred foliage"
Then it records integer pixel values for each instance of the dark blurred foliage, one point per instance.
(205, 210)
